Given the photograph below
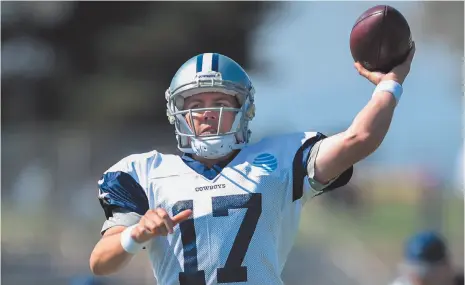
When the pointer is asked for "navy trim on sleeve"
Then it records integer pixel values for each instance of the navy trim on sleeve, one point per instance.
(120, 190)
(299, 166)
(299, 169)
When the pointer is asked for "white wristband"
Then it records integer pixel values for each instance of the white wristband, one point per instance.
(128, 243)
(390, 86)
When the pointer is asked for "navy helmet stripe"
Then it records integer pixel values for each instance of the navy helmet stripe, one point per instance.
(215, 59)
(199, 63)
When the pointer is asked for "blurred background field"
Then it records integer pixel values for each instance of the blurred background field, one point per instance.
(83, 86)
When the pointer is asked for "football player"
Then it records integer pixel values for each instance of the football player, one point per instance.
(227, 211)
(427, 261)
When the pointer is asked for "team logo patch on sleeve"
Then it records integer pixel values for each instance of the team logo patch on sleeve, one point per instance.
(266, 161)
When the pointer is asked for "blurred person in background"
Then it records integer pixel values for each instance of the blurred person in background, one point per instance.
(427, 262)
(238, 205)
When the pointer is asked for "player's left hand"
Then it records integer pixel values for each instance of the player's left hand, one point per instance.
(398, 73)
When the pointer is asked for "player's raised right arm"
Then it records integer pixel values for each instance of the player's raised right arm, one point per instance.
(337, 153)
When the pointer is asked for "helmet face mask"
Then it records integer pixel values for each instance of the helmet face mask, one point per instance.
(227, 78)
(192, 132)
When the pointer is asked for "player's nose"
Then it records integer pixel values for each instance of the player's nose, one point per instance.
(210, 115)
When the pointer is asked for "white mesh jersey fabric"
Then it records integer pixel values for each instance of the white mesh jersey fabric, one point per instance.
(244, 220)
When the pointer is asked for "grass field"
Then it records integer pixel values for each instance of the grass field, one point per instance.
(382, 227)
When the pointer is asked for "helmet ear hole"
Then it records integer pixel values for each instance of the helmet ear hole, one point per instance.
(179, 102)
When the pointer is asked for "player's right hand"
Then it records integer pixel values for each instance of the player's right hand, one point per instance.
(157, 222)
(398, 73)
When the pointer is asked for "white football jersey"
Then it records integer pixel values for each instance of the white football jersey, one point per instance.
(245, 217)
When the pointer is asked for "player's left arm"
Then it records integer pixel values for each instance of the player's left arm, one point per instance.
(367, 131)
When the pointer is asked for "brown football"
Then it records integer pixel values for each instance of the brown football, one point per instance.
(380, 38)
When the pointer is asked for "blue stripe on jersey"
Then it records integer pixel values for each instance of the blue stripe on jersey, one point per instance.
(215, 62)
(299, 169)
(209, 173)
(199, 63)
(121, 190)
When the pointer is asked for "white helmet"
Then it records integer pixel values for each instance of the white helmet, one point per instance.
(211, 72)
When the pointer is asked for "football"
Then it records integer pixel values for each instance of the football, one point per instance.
(380, 38)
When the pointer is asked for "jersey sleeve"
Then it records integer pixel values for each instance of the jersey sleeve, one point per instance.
(303, 168)
(120, 217)
(120, 188)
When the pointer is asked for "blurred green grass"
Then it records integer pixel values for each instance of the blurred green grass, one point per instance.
(382, 227)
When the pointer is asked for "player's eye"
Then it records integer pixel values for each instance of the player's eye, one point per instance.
(222, 104)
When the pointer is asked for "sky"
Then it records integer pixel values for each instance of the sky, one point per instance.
(309, 83)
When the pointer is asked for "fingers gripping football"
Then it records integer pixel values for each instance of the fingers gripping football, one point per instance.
(398, 73)
(157, 222)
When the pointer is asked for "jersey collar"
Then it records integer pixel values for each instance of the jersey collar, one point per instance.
(202, 169)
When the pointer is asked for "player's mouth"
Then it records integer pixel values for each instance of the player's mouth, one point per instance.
(209, 131)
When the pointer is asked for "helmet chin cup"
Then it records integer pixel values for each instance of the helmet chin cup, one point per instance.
(213, 147)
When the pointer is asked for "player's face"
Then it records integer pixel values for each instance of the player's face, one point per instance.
(442, 274)
(206, 122)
